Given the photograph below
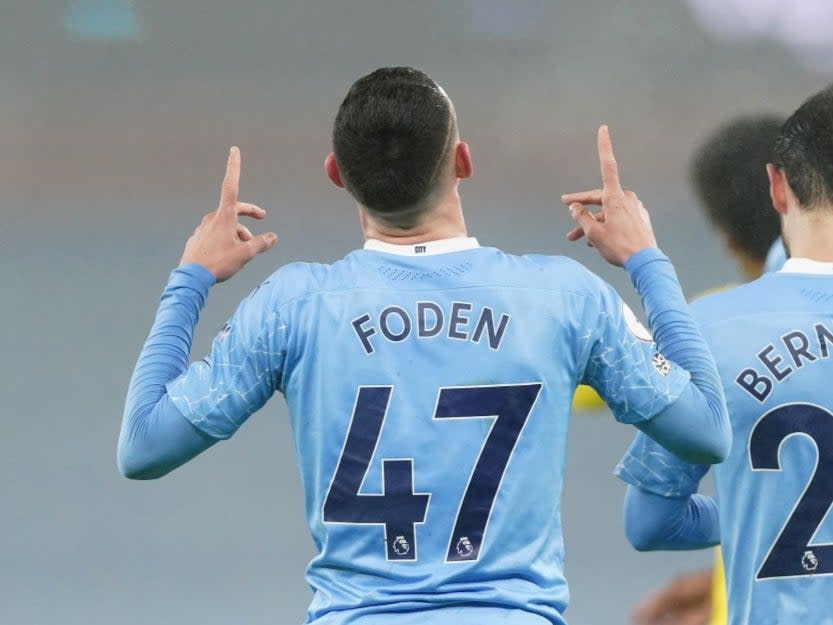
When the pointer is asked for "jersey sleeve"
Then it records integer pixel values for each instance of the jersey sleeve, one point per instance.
(651, 467)
(242, 371)
(624, 365)
(655, 523)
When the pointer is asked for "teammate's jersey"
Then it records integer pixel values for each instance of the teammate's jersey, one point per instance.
(776, 256)
(772, 340)
(775, 259)
(429, 398)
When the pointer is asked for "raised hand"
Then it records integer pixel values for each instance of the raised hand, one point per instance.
(221, 243)
(622, 227)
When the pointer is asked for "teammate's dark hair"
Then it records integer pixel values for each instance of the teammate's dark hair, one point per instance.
(729, 174)
(804, 150)
(392, 135)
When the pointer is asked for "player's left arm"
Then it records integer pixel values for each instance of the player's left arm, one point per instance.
(662, 508)
(681, 406)
(154, 437)
(654, 523)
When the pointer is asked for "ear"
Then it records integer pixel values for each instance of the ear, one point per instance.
(462, 161)
(333, 172)
(777, 188)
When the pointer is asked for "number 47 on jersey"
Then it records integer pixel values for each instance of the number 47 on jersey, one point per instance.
(398, 507)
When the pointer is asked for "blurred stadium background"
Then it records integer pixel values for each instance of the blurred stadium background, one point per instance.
(115, 118)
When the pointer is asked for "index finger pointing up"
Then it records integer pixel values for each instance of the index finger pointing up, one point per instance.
(231, 182)
(607, 162)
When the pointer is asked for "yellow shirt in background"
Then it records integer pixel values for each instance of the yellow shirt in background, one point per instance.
(586, 399)
(719, 615)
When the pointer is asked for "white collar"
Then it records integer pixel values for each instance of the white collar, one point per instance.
(429, 248)
(806, 265)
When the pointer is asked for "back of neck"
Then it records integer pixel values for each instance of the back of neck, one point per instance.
(443, 221)
(811, 235)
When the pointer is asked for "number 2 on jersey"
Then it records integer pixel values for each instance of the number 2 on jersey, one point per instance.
(792, 554)
(399, 508)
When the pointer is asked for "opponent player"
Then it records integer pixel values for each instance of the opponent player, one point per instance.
(772, 340)
(728, 172)
(428, 379)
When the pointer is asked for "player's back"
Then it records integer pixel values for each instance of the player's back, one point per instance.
(429, 397)
(772, 340)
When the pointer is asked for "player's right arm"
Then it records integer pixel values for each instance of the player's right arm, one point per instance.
(671, 389)
(175, 411)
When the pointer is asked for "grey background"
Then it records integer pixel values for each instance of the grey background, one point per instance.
(111, 148)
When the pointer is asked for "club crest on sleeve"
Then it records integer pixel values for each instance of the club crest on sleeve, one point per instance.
(661, 364)
(634, 326)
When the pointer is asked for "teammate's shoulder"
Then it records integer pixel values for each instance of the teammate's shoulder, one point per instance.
(731, 301)
(713, 290)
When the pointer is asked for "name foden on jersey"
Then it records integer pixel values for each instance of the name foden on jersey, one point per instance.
(799, 348)
(430, 320)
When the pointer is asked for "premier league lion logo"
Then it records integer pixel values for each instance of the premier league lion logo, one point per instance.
(401, 546)
(464, 547)
(809, 561)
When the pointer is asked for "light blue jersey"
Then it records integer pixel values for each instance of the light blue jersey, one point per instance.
(429, 396)
(776, 256)
(772, 340)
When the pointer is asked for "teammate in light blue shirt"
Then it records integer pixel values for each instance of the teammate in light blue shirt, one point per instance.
(772, 340)
(776, 257)
(428, 379)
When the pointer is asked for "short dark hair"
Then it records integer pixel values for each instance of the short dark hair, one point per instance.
(729, 175)
(391, 137)
(804, 150)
